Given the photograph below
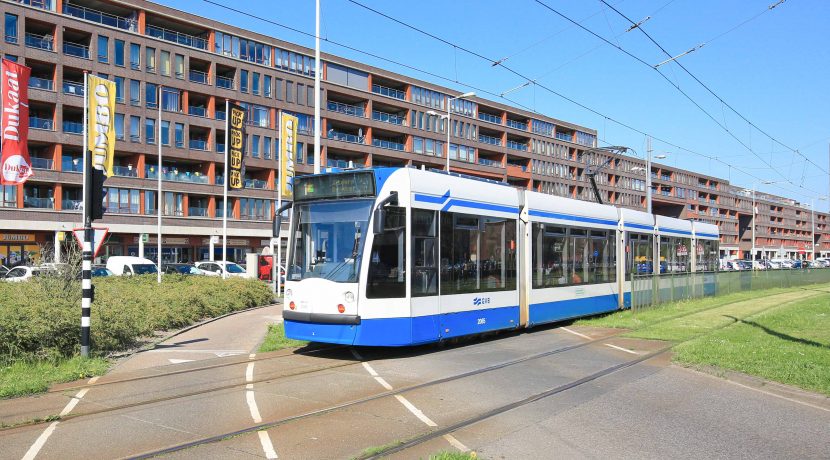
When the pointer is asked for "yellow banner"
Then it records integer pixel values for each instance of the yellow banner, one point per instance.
(288, 152)
(101, 122)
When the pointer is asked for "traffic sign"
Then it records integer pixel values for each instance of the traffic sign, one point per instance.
(145, 237)
(100, 234)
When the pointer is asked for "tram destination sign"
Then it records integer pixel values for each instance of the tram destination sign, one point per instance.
(334, 186)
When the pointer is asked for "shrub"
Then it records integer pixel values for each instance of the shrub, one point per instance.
(40, 319)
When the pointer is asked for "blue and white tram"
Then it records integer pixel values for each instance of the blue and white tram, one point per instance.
(401, 256)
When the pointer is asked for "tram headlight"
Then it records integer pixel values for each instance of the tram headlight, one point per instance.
(349, 296)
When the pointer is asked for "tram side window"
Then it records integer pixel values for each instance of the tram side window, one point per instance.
(477, 254)
(674, 254)
(601, 257)
(550, 256)
(424, 253)
(387, 266)
(707, 255)
(640, 254)
(566, 256)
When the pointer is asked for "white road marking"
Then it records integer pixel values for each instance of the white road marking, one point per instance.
(575, 333)
(369, 369)
(383, 383)
(249, 372)
(265, 440)
(249, 386)
(456, 443)
(41, 440)
(415, 411)
(179, 361)
(252, 356)
(622, 349)
(249, 396)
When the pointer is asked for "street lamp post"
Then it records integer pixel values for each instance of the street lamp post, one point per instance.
(813, 225)
(754, 212)
(648, 172)
(449, 101)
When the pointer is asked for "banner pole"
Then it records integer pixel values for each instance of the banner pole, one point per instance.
(278, 255)
(225, 195)
(158, 243)
(86, 262)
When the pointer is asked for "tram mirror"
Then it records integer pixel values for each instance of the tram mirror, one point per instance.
(378, 220)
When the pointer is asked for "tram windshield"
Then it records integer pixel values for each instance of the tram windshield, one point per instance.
(329, 240)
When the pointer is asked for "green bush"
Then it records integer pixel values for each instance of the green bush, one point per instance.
(40, 319)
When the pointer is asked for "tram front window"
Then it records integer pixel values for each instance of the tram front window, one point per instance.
(329, 240)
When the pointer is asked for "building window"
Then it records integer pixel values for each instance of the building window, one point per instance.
(289, 91)
(11, 30)
(150, 96)
(121, 200)
(300, 152)
(119, 89)
(171, 99)
(179, 66)
(165, 63)
(266, 148)
(179, 135)
(165, 132)
(135, 92)
(119, 53)
(255, 146)
(173, 204)
(150, 202)
(150, 59)
(300, 92)
(103, 49)
(135, 128)
(8, 193)
(255, 84)
(266, 86)
(135, 56)
(243, 81)
(150, 130)
(119, 126)
(278, 89)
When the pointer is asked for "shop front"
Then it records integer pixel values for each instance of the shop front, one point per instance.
(21, 248)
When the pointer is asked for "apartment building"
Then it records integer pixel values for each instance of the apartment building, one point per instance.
(371, 117)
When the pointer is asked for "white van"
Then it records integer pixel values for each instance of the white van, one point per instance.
(130, 265)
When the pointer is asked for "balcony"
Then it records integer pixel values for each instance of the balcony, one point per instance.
(390, 92)
(43, 42)
(41, 123)
(198, 77)
(194, 211)
(198, 144)
(176, 37)
(564, 137)
(351, 110)
(220, 148)
(520, 125)
(72, 205)
(99, 17)
(176, 176)
(387, 144)
(390, 118)
(224, 82)
(256, 184)
(489, 139)
(73, 127)
(345, 137)
(197, 111)
(221, 115)
(38, 203)
(41, 83)
(73, 88)
(76, 49)
(489, 118)
(516, 145)
(124, 171)
(343, 164)
(41, 163)
(491, 163)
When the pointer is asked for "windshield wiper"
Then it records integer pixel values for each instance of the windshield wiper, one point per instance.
(341, 265)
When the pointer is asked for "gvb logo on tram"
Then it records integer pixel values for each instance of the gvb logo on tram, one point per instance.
(479, 301)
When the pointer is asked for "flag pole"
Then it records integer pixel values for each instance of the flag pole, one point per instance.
(158, 243)
(225, 196)
(278, 254)
(86, 243)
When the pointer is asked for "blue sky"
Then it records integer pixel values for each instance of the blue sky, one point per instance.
(773, 69)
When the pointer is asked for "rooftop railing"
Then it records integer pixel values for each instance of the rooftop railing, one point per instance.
(490, 118)
(100, 17)
(175, 37)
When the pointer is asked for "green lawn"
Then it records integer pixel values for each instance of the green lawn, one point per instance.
(276, 339)
(790, 344)
(25, 377)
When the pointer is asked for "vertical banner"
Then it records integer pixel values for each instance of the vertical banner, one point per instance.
(101, 123)
(236, 149)
(15, 163)
(288, 139)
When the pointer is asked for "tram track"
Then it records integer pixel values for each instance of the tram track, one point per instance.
(432, 434)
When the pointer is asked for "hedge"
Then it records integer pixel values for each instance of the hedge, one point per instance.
(40, 318)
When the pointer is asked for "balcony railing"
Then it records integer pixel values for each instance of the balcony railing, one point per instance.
(516, 146)
(564, 137)
(489, 139)
(176, 37)
(100, 17)
(491, 163)
(41, 163)
(385, 144)
(198, 77)
(195, 211)
(388, 118)
(391, 92)
(43, 42)
(41, 203)
(41, 83)
(124, 171)
(220, 180)
(72, 165)
(517, 124)
(490, 118)
(221, 115)
(224, 82)
(352, 110)
(177, 176)
(73, 88)
(41, 123)
(74, 127)
(220, 148)
(514, 165)
(197, 111)
(343, 164)
(72, 205)
(345, 137)
(256, 183)
(198, 144)
(76, 49)
(11, 38)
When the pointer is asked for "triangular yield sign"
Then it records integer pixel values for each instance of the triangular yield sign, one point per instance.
(98, 238)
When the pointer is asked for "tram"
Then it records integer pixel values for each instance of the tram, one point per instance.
(403, 256)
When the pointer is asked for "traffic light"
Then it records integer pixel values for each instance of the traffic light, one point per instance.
(96, 211)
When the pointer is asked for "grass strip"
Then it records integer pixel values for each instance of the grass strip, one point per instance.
(29, 377)
(790, 344)
(276, 339)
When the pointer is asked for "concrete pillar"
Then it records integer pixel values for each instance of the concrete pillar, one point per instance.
(58, 247)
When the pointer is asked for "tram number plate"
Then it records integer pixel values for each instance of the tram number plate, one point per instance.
(303, 306)
(481, 321)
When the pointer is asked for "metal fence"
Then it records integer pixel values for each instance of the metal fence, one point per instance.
(652, 290)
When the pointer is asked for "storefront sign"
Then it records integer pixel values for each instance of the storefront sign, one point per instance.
(169, 241)
(17, 238)
(231, 242)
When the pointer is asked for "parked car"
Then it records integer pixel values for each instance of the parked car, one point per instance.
(216, 268)
(100, 271)
(796, 263)
(760, 265)
(181, 269)
(131, 265)
(23, 273)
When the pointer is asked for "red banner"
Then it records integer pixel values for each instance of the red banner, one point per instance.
(15, 165)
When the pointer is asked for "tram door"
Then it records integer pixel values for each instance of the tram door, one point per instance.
(424, 272)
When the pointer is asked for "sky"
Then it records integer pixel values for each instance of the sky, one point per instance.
(770, 65)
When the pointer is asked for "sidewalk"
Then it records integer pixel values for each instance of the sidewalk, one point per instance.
(232, 335)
